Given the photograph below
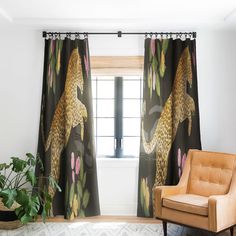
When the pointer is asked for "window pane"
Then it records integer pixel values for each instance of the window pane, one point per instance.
(105, 146)
(105, 89)
(94, 94)
(105, 126)
(131, 108)
(131, 89)
(105, 108)
(131, 146)
(131, 126)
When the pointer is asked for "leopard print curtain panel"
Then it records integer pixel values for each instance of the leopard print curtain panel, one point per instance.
(170, 115)
(66, 141)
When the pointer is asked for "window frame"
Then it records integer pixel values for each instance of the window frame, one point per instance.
(118, 67)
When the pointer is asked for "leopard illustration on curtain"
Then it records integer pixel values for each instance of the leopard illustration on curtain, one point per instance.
(170, 115)
(66, 142)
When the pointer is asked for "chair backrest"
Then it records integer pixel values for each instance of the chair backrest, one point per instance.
(210, 172)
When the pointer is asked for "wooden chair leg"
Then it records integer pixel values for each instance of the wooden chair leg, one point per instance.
(164, 224)
(232, 231)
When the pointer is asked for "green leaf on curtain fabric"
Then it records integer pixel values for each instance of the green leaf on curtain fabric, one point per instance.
(158, 86)
(86, 198)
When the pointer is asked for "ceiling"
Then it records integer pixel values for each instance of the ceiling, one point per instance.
(132, 15)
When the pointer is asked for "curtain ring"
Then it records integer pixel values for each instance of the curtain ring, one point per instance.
(68, 35)
(156, 35)
(77, 36)
(85, 35)
(146, 35)
(161, 35)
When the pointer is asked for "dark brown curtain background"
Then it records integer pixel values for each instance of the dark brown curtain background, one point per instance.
(170, 115)
(66, 140)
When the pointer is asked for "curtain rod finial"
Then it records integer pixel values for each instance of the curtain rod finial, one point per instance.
(119, 34)
(194, 35)
(44, 34)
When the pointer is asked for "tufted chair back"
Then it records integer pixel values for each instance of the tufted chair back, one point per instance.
(210, 173)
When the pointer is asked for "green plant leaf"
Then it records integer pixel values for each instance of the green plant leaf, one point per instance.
(18, 165)
(2, 181)
(33, 206)
(84, 179)
(30, 176)
(4, 166)
(22, 197)
(19, 212)
(85, 198)
(53, 183)
(8, 197)
(79, 189)
(31, 159)
(25, 218)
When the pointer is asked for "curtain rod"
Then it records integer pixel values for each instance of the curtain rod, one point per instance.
(119, 34)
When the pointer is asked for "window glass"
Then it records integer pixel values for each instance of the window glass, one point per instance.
(103, 91)
(105, 126)
(131, 108)
(131, 89)
(131, 126)
(105, 146)
(131, 146)
(105, 108)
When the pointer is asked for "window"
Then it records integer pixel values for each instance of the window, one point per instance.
(117, 111)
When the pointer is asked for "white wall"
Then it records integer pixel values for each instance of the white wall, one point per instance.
(21, 64)
(216, 57)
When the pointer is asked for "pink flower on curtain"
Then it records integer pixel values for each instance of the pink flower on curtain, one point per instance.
(72, 160)
(153, 46)
(86, 61)
(77, 165)
(181, 161)
(73, 176)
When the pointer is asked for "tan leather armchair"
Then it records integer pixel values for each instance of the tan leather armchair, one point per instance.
(205, 196)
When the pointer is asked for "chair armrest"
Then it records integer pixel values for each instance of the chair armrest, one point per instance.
(221, 211)
(160, 192)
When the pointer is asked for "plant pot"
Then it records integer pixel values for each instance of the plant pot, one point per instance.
(8, 218)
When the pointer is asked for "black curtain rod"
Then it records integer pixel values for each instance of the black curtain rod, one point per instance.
(119, 33)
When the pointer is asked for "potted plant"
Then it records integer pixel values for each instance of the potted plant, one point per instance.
(20, 200)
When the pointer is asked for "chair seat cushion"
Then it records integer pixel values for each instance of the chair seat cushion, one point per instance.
(190, 203)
